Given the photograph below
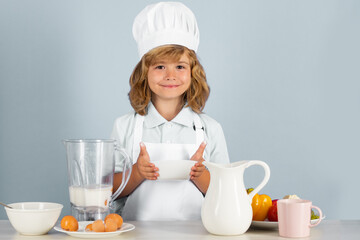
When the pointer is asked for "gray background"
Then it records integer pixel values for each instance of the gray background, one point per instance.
(284, 78)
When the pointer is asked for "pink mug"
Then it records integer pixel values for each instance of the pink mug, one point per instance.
(294, 216)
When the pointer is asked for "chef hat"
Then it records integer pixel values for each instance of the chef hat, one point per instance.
(165, 23)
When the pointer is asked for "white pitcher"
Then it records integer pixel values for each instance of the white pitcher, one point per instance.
(227, 206)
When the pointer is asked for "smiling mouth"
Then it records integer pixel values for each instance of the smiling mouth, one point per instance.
(170, 86)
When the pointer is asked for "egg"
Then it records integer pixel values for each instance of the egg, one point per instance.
(98, 226)
(110, 225)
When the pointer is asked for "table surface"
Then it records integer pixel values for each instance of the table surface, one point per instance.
(327, 229)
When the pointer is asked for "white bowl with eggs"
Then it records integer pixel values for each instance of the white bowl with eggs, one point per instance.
(33, 218)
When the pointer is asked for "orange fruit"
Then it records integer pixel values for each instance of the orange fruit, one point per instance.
(69, 223)
(98, 226)
(110, 225)
(118, 219)
(88, 228)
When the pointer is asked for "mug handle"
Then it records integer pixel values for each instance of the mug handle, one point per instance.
(126, 173)
(320, 217)
(264, 181)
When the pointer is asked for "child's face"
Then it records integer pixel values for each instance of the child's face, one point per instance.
(168, 80)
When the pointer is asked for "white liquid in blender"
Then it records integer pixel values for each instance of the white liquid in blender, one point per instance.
(90, 196)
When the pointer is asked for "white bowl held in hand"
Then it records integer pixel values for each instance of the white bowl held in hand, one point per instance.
(33, 218)
(174, 169)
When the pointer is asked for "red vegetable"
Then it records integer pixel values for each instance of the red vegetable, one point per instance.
(272, 213)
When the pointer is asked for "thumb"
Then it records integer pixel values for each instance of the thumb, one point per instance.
(199, 153)
(143, 151)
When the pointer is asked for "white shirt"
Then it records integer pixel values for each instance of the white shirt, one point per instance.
(157, 129)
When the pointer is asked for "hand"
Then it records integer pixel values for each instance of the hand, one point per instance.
(198, 168)
(145, 168)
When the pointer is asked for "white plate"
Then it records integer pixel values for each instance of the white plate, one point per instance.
(80, 233)
(266, 224)
(174, 169)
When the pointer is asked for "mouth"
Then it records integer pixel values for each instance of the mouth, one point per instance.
(170, 86)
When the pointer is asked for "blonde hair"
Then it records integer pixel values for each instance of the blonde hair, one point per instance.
(194, 97)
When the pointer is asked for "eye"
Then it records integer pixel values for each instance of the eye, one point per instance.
(180, 67)
(159, 67)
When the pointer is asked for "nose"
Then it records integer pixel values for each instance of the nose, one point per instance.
(170, 74)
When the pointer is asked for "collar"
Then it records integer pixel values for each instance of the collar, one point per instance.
(154, 119)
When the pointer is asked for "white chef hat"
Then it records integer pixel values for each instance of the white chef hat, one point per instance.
(165, 23)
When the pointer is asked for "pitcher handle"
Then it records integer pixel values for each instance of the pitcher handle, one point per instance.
(264, 181)
(126, 173)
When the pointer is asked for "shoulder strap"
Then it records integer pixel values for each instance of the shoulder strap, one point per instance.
(199, 129)
(138, 131)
